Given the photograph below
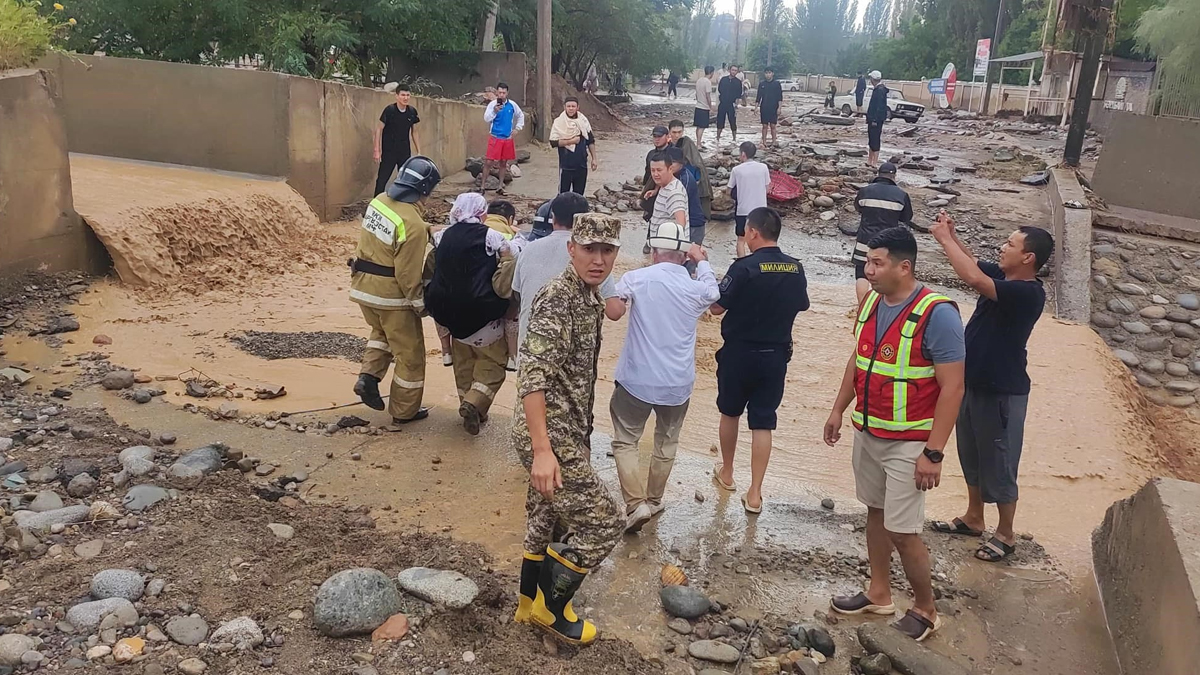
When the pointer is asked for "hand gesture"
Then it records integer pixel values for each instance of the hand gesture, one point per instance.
(942, 226)
(649, 194)
(928, 474)
(833, 429)
(697, 253)
(544, 475)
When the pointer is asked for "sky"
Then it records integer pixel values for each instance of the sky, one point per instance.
(727, 7)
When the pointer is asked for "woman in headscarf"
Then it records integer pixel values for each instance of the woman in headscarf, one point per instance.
(468, 295)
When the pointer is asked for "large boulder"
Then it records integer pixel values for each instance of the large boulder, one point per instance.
(118, 583)
(355, 602)
(440, 587)
(86, 617)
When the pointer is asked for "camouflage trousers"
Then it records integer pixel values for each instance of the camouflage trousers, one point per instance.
(584, 504)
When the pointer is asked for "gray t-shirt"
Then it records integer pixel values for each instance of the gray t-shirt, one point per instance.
(539, 262)
(943, 342)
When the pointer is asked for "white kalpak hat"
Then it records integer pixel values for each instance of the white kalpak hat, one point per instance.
(670, 237)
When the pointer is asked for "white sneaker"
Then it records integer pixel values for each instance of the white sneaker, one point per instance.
(512, 364)
(656, 509)
(640, 516)
(447, 360)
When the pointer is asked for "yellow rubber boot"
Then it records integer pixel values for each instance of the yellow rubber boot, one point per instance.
(531, 569)
(560, 579)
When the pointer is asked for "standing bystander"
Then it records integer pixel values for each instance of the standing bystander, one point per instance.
(662, 140)
(695, 165)
(696, 220)
(877, 114)
(860, 90)
(906, 375)
(762, 294)
(704, 104)
(730, 90)
(991, 423)
(395, 137)
(506, 118)
(572, 134)
(669, 194)
(769, 101)
(748, 183)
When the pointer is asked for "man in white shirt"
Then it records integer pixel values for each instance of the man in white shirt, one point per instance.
(657, 367)
(748, 182)
(704, 105)
(670, 197)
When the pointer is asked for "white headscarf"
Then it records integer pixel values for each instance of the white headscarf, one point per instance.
(469, 207)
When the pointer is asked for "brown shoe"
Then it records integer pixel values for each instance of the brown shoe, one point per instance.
(859, 604)
(916, 626)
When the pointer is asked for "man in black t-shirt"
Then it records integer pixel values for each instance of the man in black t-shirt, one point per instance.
(729, 90)
(769, 100)
(991, 422)
(761, 295)
(395, 137)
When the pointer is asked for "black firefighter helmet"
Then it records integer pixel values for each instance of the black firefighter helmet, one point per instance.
(417, 178)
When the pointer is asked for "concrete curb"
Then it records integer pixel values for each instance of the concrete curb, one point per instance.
(1072, 229)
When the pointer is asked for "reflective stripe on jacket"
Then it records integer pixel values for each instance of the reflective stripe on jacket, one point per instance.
(895, 387)
(393, 235)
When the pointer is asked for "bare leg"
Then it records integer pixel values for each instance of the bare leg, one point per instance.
(729, 435)
(974, 517)
(775, 134)
(503, 174)
(872, 158)
(915, 557)
(699, 136)
(764, 135)
(483, 177)
(760, 454)
(879, 552)
(1004, 531)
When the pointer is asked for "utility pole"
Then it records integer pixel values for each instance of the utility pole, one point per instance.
(987, 91)
(1093, 29)
(487, 36)
(543, 68)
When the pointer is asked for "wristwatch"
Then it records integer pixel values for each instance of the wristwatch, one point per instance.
(935, 456)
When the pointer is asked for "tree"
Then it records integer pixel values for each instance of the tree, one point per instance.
(784, 59)
(1170, 32)
(821, 28)
(877, 17)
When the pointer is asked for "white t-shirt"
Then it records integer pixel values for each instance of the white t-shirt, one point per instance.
(658, 360)
(751, 180)
(704, 93)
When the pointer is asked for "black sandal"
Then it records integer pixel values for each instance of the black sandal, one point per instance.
(956, 526)
(916, 626)
(994, 551)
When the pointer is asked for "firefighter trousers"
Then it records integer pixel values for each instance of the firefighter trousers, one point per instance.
(397, 336)
(479, 372)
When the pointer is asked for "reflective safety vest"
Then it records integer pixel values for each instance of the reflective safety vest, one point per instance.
(894, 384)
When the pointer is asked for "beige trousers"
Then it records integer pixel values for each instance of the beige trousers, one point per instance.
(396, 336)
(629, 417)
(479, 372)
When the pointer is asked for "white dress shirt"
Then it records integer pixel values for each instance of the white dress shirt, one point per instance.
(658, 360)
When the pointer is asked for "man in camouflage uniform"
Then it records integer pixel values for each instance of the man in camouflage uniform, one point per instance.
(551, 429)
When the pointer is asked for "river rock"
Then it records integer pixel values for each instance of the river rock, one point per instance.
(242, 632)
(823, 202)
(90, 549)
(1175, 369)
(875, 664)
(282, 532)
(906, 655)
(1131, 289)
(1162, 327)
(44, 474)
(192, 666)
(1184, 330)
(1141, 274)
(1153, 366)
(208, 459)
(765, 666)
(1152, 344)
(118, 379)
(1182, 386)
(188, 630)
(81, 486)
(46, 501)
(118, 583)
(1182, 349)
(68, 515)
(711, 650)
(1153, 312)
(1188, 301)
(86, 616)
(440, 587)
(1127, 357)
(12, 646)
(1104, 320)
(681, 626)
(1121, 306)
(1147, 381)
(184, 476)
(137, 460)
(820, 640)
(684, 602)
(1106, 266)
(355, 602)
(1135, 327)
(806, 666)
(141, 497)
(73, 466)
(1180, 316)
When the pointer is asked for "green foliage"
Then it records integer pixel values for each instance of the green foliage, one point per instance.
(877, 17)
(26, 35)
(1171, 32)
(783, 55)
(820, 28)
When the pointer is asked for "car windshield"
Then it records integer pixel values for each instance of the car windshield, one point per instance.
(895, 95)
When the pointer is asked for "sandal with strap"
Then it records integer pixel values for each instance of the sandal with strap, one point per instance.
(994, 551)
(956, 526)
(731, 486)
(916, 626)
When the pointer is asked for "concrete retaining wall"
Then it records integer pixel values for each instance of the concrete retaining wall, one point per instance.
(967, 96)
(1150, 163)
(38, 225)
(316, 134)
(1072, 230)
(1147, 561)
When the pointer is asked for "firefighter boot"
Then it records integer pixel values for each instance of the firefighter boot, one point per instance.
(557, 585)
(367, 389)
(531, 570)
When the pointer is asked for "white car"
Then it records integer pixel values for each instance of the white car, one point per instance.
(897, 107)
(789, 85)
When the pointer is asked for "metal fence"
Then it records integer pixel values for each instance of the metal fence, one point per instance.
(1178, 92)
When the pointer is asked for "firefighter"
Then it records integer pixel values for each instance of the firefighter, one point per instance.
(386, 281)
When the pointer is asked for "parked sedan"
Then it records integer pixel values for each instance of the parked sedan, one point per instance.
(790, 85)
(897, 107)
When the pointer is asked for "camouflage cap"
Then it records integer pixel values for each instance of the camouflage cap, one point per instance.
(596, 228)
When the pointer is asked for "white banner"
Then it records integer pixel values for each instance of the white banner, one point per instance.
(983, 52)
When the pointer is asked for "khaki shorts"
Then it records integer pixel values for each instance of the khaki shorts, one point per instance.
(885, 478)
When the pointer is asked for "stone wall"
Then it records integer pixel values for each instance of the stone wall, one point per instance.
(1149, 163)
(1147, 562)
(38, 224)
(1146, 306)
(1072, 230)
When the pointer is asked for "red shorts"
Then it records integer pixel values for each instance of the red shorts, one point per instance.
(501, 149)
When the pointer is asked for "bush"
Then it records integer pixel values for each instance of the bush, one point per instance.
(25, 35)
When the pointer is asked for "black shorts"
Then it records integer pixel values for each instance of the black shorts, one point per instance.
(700, 118)
(991, 430)
(750, 380)
(769, 116)
(739, 225)
(727, 111)
(874, 135)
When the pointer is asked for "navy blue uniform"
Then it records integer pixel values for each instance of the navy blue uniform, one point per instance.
(762, 294)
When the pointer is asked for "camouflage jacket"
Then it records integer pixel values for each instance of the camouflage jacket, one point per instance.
(559, 357)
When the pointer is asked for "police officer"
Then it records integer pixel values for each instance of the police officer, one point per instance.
(386, 282)
(551, 429)
(762, 294)
(882, 205)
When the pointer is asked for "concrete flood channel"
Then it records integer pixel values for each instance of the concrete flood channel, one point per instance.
(1037, 614)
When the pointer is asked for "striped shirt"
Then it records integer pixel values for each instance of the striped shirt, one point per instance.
(671, 199)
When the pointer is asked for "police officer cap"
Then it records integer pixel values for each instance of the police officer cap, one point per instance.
(417, 178)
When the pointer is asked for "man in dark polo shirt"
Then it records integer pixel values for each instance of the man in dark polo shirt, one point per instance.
(395, 137)
(991, 422)
(761, 295)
